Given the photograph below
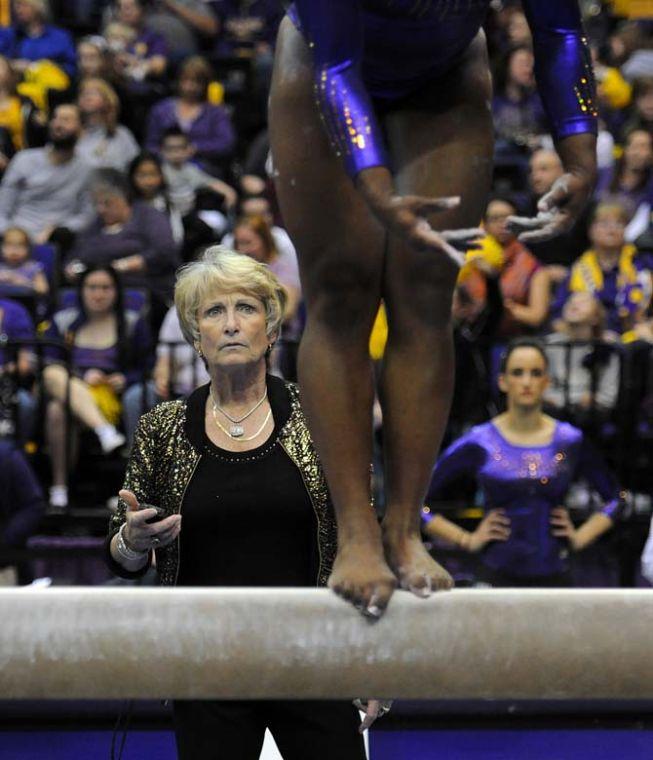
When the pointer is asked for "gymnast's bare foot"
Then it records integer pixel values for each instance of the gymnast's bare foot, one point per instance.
(413, 566)
(361, 576)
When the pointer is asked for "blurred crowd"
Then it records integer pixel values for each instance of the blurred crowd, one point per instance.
(133, 135)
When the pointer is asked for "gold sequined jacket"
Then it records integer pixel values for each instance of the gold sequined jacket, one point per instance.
(167, 450)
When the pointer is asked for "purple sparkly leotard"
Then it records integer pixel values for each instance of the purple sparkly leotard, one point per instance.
(526, 482)
(367, 50)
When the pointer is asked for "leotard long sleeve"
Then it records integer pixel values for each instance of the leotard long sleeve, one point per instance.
(367, 50)
(526, 482)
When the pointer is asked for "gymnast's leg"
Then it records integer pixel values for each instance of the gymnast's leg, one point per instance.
(443, 148)
(341, 252)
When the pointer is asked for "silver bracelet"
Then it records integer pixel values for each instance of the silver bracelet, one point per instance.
(125, 551)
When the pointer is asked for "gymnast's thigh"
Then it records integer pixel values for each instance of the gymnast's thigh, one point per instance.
(328, 220)
(321, 730)
(441, 142)
(218, 730)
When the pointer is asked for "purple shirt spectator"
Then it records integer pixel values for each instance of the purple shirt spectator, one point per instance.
(147, 233)
(263, 16)
(134, 358)
(212, 132)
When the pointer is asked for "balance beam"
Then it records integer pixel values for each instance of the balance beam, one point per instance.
(105, 643)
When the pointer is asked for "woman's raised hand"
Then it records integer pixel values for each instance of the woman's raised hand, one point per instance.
(141, 535)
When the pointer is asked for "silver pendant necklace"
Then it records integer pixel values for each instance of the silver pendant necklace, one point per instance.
(236, 430)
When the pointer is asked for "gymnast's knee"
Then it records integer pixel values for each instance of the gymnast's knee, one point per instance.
(342, 298)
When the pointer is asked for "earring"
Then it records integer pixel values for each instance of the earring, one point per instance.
(199, 351)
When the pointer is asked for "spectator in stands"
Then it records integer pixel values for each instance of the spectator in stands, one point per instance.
(185, 193)
(611, 270)
(186, 25)
(524, 463)
(559, 253)
(524, 282)
(17, 115)
(250, 26)
(21, 500)
(139, 59)
(208, 126)
(93, 58)
(19, 273)
(185, 180)
(132, 237)
(584, 376)
(104, 143)
(642, 110)
(253, 237)
(631, 180)
(148, 184)
(178, 369)
(259, 205)
(110, 353)
(45, 190)
(17, 366)
(517, 107)
(248, 31)
(144, 54)
(32, 39)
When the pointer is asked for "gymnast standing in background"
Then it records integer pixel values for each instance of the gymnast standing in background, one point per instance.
(381, 134)
(524, 463)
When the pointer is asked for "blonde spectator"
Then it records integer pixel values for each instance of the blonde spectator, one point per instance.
(104, 143)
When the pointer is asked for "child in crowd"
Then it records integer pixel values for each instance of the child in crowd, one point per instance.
(185, 179)
(148, 184)
(19, 274)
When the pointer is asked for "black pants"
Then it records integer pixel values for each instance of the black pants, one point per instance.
(227, 730)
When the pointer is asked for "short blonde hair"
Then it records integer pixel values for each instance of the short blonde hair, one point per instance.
(219, 269)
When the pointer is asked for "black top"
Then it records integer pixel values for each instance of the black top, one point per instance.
(247, 516)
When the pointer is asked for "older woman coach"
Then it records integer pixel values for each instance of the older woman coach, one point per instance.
(245, 498)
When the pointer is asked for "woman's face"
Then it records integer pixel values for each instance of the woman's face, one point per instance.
(581, 309)
(526, 377)
(130, 13)
(496, 220)
(91, 100)
(607, 231)
(644, 105)
(90, 60)
(249, 242)
(191, 88)
(638, 152)
(520, 68)
(148, 179)
(233, 330)
(25, 13)
(112, 208)
(99, 293)
(15, 249)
